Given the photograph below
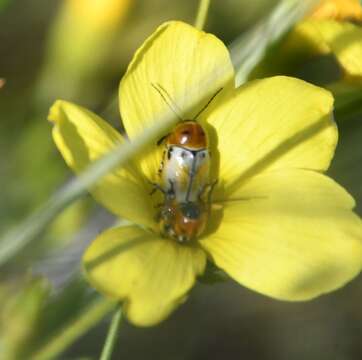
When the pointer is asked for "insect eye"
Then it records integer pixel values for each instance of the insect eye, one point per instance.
(185, 132)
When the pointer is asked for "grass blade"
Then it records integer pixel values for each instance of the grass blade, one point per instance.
(249, 49)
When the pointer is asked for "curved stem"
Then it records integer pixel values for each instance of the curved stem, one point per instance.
(86, 320)
(112, 335)
(202, 14)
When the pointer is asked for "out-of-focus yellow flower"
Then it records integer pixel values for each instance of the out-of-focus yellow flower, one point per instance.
(80, 44)
(21, 310)
(327, 30)
(99, 13)
(338, 10)
(281, 227)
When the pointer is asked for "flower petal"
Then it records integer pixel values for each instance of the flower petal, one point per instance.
(152, 275)
(189, 64)
(279, 122)
(82, 137)
(292, 236)
(311, 38)
(345, 42)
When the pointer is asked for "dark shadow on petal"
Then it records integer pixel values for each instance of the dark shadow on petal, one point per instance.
(115, 251)
(215, 218)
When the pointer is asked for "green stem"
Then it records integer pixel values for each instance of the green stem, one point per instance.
(202, 14)
(86, 320)
(112, 335)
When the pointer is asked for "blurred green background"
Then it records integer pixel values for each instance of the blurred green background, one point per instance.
(51, 50)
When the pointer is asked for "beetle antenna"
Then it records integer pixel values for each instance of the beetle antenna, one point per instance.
(207, 104)
(159, 142)
(167, 99)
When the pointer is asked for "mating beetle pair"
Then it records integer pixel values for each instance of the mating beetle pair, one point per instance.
(184, 179)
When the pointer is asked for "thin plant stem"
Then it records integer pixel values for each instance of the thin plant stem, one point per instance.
(202, 14)
(86, 320)
(112, 335)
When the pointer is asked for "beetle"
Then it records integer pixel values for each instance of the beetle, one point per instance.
(185, 165)
(183, 222)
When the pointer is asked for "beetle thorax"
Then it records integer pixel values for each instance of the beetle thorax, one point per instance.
(188, 134)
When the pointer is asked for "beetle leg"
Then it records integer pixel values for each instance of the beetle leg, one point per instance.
(209, 186)
(212, 187)
(156, 187)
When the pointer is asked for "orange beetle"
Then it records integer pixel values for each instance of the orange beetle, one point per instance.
(184, 177)
(183, 222)
(185, 167)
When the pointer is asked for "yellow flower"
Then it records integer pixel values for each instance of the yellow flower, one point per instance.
(99, 13)
(278, 225)
(338, 9)
(80, 43)
(326, 31)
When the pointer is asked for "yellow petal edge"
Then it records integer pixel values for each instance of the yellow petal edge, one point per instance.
(291, 235)
(83, 137)
(151, 275)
